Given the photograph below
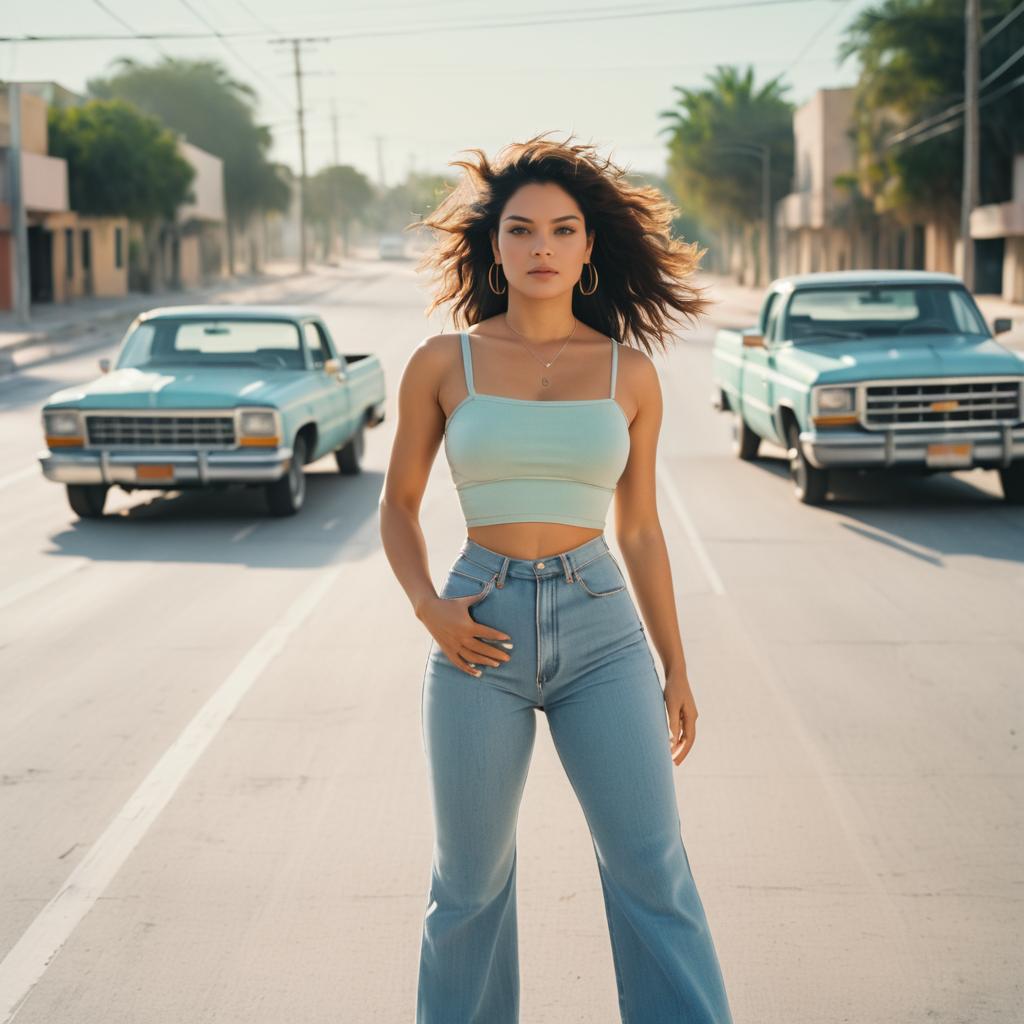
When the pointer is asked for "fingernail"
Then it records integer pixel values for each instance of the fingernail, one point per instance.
(478, 672)
(509, 646)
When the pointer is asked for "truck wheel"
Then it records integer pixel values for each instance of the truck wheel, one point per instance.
(350, 457)
(745, 443)
(87, 500)
(809, 482)
(285, 496)
(1012, 479)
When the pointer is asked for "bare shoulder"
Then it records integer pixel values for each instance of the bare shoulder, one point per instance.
(432, 358)
(637, 369)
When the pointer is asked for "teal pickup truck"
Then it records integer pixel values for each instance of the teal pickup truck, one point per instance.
(203, 396)
(862, 369)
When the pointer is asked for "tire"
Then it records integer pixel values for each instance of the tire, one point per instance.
(87, 500)
(745, 443)
(809, 483)
(350, 456)
(286, 496)
(1012, 479)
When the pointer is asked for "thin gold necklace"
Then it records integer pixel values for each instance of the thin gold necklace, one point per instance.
(545, 382)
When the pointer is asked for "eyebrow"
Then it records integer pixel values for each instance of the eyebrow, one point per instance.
(554, 220)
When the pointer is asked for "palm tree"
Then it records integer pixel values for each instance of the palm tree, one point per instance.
(714, 132)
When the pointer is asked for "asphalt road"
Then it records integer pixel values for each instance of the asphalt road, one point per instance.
(212, 789)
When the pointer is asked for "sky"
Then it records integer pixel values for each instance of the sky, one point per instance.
(398, 86)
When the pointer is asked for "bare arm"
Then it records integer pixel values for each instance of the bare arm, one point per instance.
(642, 542)
(418, 435)
(417, 438)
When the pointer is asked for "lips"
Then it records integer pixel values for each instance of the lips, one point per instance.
(546, 272)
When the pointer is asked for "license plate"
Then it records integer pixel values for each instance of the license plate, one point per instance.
(949, 454)
(155, 471)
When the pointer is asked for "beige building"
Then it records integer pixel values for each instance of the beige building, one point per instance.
(998, 233)
(825, 225)
(199, 242)
(68, 256)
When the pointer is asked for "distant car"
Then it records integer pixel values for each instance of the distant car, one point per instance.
(213, 395)
(392, 247)
(873, 368)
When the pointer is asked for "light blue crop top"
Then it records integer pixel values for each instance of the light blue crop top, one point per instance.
(517, 460)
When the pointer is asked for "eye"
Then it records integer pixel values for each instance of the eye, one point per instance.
(518, 227)
(565, 227)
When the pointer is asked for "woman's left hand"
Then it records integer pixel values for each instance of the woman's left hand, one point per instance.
(682, 716)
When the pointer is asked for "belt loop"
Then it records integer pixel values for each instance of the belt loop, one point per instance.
(502, 573)
(567, 568)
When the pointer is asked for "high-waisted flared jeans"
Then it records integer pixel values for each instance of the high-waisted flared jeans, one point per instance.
(581, 655)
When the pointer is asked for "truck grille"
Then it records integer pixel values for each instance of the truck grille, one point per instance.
(177, 431)
(954, 403)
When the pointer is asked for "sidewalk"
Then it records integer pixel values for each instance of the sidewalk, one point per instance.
(60, 329)
(725, 289)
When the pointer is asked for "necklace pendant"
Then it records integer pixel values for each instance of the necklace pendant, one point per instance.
(545, 382)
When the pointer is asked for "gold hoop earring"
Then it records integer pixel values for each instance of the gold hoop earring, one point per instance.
(490, 269)
(593, 277)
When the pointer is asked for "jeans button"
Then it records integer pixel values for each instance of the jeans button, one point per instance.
(540, 565)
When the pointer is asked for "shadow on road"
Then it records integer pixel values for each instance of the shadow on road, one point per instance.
(944, 514)
(230, 527)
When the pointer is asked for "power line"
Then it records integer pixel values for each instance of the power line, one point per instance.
(996, 29)
(1012, 59)
(575, 17)
(131, 28)
(227, 46)
(814, 38)
(255, 17)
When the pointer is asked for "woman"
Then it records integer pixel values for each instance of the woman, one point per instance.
(554, 260)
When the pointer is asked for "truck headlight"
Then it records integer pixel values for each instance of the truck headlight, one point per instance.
(834, 406)
(836, 400)
(258, 428)
(63, 427)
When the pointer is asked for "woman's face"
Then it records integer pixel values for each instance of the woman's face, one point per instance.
(541, 226)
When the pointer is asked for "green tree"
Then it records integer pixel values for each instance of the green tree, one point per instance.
(722, 187)
(121, 162)
(335, 197)
(414, 198)
(215, 112)
(911, 55)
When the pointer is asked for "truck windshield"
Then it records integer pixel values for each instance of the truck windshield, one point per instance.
(165, 342)
(879, 311)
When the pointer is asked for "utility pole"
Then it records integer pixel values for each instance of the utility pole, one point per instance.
(380, 160)
(19, 226)
(334, 131)
(969, 198)
(297, 58)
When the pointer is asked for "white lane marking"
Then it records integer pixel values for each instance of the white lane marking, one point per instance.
(31, 955)
(679, 506)
(23, 474)
(244, 532)
(25, 588)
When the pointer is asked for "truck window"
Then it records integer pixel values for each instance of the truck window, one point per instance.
(315, 343)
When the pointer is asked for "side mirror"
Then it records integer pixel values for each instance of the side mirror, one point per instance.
(753, 341)
(104, 365)
(1002, 325)
(332, 365)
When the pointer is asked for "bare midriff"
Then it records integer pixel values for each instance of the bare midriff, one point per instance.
(531, 540)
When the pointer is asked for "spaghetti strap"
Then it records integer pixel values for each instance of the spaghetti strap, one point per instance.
(467, 361)
(615, 364)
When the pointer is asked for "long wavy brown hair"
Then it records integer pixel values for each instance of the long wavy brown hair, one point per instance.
(643, 271)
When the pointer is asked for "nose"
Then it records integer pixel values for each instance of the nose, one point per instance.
(541, 245)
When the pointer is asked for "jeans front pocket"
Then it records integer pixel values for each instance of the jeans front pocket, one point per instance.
(601, 577)
(460, 583)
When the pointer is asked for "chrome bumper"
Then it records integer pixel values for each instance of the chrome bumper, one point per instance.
(991, 446)
(90, 466)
